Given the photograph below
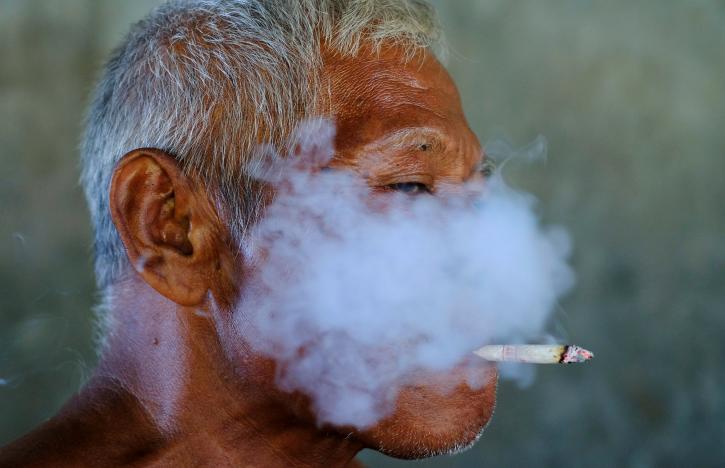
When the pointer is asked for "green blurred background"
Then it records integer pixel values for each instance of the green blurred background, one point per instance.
(629, 94)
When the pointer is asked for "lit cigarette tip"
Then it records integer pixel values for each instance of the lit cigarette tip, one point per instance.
(574, 353)
(535, 354)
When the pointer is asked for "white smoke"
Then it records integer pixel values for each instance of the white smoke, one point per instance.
(353, 291)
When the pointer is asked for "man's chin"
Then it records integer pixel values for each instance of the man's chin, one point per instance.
(434, 418)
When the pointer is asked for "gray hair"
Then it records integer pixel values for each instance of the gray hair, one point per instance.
(209, 80)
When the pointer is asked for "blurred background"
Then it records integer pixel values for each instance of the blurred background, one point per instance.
(629, 94)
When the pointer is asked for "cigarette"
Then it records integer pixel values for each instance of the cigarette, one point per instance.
(535, 354)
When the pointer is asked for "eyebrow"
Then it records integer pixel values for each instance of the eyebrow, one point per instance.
(416, 136)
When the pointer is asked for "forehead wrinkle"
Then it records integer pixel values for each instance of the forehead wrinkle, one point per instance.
(396, 96)
(377, 73)
(398, 77)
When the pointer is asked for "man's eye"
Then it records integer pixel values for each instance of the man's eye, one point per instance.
(488, 168)
(411, 188)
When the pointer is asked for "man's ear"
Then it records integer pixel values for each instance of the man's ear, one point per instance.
(167, 224)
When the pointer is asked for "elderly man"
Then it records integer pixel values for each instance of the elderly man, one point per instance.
(176, 118)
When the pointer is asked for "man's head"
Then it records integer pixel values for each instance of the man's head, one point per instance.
(176, 128)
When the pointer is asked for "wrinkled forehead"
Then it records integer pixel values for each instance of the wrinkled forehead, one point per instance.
(386, 90)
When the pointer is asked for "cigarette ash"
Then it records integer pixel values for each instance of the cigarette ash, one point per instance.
(351, 296)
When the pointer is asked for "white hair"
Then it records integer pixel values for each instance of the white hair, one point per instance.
(209, 80)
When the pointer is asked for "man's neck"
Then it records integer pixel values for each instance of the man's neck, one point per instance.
(164, 394)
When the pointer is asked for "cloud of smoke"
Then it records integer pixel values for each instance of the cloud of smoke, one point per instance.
(353, 291)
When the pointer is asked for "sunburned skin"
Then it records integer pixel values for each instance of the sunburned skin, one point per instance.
(176, 386)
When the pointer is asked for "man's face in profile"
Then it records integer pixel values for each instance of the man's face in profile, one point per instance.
(400, 127)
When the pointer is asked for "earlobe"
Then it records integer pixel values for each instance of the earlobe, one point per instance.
(155, 207)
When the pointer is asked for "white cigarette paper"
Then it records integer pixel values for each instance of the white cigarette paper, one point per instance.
(535, 354)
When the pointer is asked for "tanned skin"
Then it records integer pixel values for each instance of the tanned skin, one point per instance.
(176, 385)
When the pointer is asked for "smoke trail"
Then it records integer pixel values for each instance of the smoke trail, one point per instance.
(353, 291)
